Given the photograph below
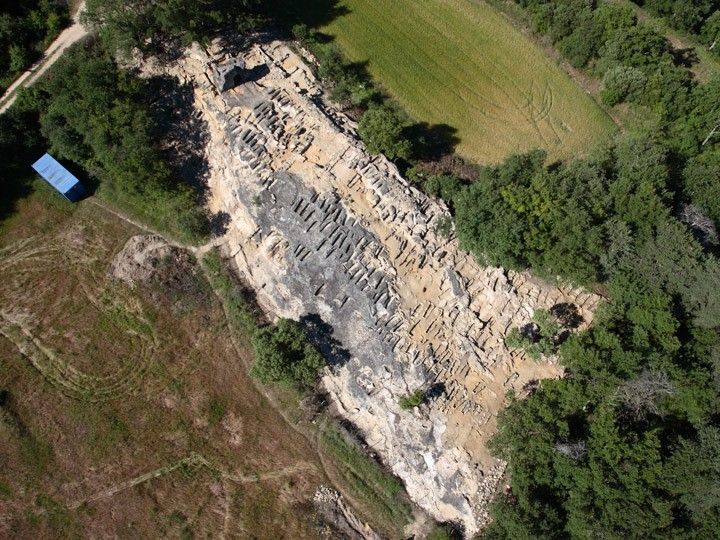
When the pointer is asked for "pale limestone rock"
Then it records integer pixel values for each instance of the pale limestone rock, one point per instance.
(320, 227)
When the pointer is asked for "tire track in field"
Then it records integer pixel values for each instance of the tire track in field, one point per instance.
(31, 255)
(500, 82)
(64, 376)
(434, 75)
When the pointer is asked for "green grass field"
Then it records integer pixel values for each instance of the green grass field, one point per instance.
(459, 62)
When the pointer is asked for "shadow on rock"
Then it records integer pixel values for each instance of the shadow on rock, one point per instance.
(320, 334)
(435, 391)
(219, 223)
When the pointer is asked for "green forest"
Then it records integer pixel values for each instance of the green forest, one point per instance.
(27, 27)
(700, 18)
(96, 115)
(627, 444)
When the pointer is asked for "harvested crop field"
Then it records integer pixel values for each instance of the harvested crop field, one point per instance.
(460, 63)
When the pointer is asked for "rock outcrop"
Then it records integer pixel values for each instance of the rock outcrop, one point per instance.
(322, 230)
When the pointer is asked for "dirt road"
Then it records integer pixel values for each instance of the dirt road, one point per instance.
(67, 37)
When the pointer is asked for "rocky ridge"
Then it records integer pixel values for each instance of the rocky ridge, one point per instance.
(326, 233)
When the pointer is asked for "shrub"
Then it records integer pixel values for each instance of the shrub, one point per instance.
(381, 129)
(541, 337)
(412, 400)
(216, 411)
(622, 83)
(284, 355)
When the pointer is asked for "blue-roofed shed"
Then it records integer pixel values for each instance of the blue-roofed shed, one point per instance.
(59, 178)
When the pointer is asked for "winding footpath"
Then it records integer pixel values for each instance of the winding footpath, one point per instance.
(67, 37)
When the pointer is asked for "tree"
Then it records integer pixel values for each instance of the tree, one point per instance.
(640, 396)
(693, 475)
(150, 26)
(382, 130)
(711, 32)
(696, 218)
(27, 27)
(638, 46)
(284, 355)
(584, 43)
(700, 175)
(97, 115)
(622, 83)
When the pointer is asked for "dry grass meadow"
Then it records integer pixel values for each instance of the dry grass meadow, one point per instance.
(127, 413)
(460, 63)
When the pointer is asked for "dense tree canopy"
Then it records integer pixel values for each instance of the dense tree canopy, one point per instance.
(687, 15)
(151, 26)
(27, 27)
(96, 115)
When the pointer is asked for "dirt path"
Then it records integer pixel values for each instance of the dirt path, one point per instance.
(706, 65)
(328, 470)
(198, 251)
(193, 460)
(67, 37)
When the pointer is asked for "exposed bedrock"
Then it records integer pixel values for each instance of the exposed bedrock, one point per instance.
(324, 231)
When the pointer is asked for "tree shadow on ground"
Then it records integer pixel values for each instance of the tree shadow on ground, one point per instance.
(14, 186)
(686, 57)
(320, 334)
(568, 315)
(431, 142)
(219, 223)
(182, 133)
(314, 13)
(21, 144)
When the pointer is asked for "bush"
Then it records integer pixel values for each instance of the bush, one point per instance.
(622, 83)
(382, 130)
(239, 311)
(410, 401)
(542, 337)
(284, 355)
(27, 27)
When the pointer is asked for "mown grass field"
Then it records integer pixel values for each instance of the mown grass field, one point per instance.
(460, 63)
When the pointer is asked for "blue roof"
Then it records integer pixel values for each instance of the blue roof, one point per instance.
(57, 175)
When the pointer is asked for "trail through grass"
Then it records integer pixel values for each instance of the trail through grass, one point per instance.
(460, 63)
